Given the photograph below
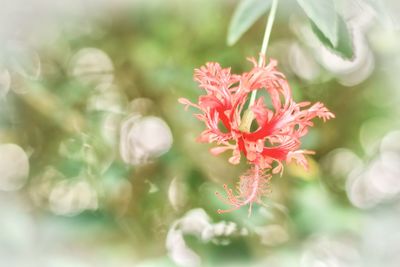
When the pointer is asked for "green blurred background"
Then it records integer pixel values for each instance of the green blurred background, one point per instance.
(99, 164)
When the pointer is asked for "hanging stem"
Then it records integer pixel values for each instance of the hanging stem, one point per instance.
(248, 115)
(264, 46)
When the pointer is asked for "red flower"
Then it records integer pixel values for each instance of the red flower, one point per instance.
(276, 137)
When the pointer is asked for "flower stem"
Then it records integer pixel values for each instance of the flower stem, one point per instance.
(248, 115)
(264, 46)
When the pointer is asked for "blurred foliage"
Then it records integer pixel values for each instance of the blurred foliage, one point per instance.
(67, 88)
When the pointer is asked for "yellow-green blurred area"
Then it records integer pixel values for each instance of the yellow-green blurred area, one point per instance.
(99, 165)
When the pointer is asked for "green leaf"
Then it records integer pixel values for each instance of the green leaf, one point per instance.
(323, 14)
(344, 45)
(245, 15)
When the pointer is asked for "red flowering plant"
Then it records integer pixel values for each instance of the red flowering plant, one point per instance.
(275, 136)
(278, 133)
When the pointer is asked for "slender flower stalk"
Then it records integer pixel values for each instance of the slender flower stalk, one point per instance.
(264, 46)
(248, 115)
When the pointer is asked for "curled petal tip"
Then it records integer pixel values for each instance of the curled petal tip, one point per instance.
(218, 150)
(183, 100)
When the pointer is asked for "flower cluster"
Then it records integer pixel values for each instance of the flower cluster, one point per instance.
(268, 140)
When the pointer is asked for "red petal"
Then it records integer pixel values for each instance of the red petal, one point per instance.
(275, 152)
(266, 129)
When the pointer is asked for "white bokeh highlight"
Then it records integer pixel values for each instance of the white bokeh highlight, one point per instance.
(143, 139)
(25, 61)
(70, 198)
(329, 251)
(93, 67)
(302, 63)
(196, 222)
(378, 181)
(14, 167)
(177, 193)
(5, 81)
